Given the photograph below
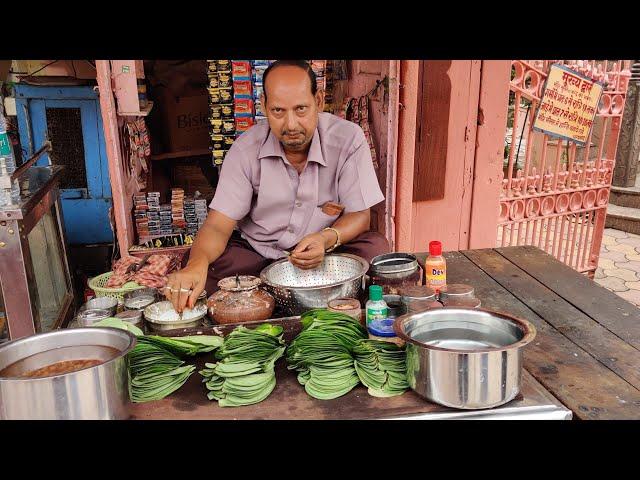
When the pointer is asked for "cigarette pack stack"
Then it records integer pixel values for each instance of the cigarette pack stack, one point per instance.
(201, 211)
(140, 210)
(178, 221)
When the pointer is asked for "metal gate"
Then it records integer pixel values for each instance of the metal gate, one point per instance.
(555, 192)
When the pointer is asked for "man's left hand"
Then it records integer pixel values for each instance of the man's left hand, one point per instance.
(309, 253)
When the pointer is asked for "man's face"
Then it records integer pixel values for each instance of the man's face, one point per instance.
(291, 108)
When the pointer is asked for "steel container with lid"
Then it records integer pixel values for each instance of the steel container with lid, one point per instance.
(393, 271)
(466, 302)
(417, 298)
(132, 316)
(456, 290)
(88, 317)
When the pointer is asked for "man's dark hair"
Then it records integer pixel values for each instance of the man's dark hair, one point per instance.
(303, 64)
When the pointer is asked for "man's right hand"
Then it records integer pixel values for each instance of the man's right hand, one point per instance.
(184, 286)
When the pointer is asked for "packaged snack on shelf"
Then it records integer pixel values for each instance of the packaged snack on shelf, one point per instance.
(226, 95)
(225, 80)
(227, 141)
(214, 81)
(260, 63)
(227, 111)
(241, 69)
(243, 107)
(214, 96)
(217, 142)
(258, 90)
(218, 156)
(242, 89)
(228, 127)
(216, 127)
(215, 112)
(258, 73)
(243, 124)
(223, 66)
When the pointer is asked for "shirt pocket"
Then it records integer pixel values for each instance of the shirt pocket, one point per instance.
(320, 220)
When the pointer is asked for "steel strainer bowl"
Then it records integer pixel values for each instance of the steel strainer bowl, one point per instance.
(296, 290)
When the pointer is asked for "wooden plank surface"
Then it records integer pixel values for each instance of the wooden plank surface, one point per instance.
(290, 401)
(605, 307)
(571, 374)
(592, 337)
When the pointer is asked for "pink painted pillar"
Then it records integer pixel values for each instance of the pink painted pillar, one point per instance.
(492, 124)
(121, 199)
(409, 74)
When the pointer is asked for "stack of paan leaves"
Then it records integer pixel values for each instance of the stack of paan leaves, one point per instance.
(244, 374)
(322, 353)
(381, 367)
(155, 370)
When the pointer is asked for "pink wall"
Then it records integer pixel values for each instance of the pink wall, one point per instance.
(473, 160)
(363, 75)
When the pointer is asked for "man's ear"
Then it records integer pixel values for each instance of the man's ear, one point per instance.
(320, 99)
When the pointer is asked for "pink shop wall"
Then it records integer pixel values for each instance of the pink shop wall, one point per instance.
(467, 114)
(383, 108)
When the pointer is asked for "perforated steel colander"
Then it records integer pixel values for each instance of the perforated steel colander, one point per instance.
(296, 290)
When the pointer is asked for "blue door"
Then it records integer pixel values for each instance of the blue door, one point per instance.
(69, 117)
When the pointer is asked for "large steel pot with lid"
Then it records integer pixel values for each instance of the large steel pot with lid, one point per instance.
(97, 390)
(464, 358)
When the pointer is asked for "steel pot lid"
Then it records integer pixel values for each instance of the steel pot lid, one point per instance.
(456, 290)
(94, 314)
(394, 263)
(417, 292)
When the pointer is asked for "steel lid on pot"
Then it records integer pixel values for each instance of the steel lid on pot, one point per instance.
(456, 290)
(394, 263)
(90, 316)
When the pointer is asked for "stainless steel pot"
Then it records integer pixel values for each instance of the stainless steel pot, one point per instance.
(100, 392)
(464, 358)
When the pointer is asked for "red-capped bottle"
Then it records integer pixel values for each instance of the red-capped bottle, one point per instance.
(435, 267)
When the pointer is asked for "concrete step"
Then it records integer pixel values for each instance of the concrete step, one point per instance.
(625, 196)
(626, 219)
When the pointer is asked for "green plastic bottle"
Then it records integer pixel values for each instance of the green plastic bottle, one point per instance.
(376, 307)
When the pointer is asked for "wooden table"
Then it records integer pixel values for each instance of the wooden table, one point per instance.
(585, 353)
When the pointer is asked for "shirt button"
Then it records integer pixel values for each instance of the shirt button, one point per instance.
(298, 204)
(290, 229)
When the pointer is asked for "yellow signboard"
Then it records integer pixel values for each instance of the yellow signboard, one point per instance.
(568, 106)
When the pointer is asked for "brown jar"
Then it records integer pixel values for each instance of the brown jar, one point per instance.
(240, 300)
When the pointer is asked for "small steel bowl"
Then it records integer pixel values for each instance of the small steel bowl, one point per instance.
(297, 291)
(153, 313)
(140, 299)
(89, 316)
(102, 303)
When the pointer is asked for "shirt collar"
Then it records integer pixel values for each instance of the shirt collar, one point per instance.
(273, 148)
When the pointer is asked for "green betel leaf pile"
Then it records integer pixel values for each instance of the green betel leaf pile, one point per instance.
(244, 374)
(322, 353)
(381, 367)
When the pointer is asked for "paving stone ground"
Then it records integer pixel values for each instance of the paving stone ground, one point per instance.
(619, 265)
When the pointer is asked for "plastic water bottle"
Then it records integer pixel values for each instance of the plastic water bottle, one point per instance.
(8, 196)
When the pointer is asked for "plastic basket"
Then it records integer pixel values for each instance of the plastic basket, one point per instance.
(97, 284)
